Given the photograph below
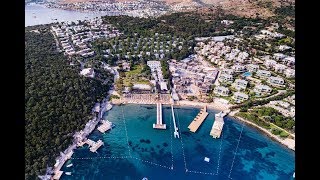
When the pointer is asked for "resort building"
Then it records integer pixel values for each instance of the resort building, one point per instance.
(221, 90)
(280, 68)
(284, 47)
(252, 67)
(227, 71)
(141, 87)
(163, 86)
(154, 64)
(225, 78)
(263, 73)
(290, 61)
(88, 72)
(240, 97)
(262, 89)
(278, 56)
(289, 73)
(276, 80)
(240, 84)
(239, 68)
(269, 63)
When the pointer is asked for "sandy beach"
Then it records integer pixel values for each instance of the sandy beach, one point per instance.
(213, 105)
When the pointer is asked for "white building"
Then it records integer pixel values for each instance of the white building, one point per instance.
(269, 63)
(221, 90)
(239, 68)
(240, 97)
(240, 84)
(242, 57)
(262, 89)
(163, 86)
(252, 67)
(227, 71)
(88, 72)
(276, 80)
(289, 60)
(263, 73)
(289, 73)
(154, 64)
(225, 78)
(284, 47)
(278, 56)
(284, 104)
(280, 68)
(141, 86)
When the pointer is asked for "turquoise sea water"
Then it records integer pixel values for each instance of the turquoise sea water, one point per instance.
(133, 149)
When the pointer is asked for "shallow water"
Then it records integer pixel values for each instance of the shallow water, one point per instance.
(156, 154)
(39, 14)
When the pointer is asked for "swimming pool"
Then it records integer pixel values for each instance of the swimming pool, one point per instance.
(246, 74)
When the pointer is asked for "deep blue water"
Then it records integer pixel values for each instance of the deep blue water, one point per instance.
(156, 154)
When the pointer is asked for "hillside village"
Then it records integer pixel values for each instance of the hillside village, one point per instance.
(220, 68)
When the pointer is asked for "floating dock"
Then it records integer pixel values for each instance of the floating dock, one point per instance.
(94, 146)
(105, 126)
(175, 133)
(217, 125)
(197, 121)
(159, 124)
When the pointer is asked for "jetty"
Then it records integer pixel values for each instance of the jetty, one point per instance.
(159, 124)
(197, 121)
(105, 126)
(217, 125)
(175, 133)
(94, 146)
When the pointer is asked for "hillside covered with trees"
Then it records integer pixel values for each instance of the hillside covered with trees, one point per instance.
(58, 101)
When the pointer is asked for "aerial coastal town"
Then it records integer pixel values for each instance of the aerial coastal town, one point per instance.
(246, 72)
(141, 8)
(217, 71)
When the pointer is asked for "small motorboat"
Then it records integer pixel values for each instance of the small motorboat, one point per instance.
(69, 165)
(68, 173)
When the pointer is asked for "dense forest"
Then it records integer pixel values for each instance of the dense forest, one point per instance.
(58, 101)
(184, 24)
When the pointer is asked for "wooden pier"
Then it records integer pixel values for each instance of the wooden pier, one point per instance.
(159, 124)
(94, 146)
(105, 126)
(197, 121)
